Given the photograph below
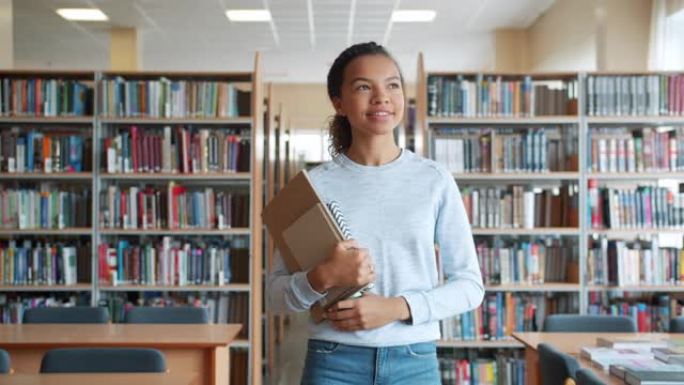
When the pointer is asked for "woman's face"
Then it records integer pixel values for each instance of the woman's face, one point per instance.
(372, 97)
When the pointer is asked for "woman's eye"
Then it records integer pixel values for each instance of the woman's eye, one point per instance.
(394, 86)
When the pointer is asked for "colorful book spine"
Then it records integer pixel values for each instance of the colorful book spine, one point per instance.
(635, 95)
(184, 150)
(167, 98)
(494, 96)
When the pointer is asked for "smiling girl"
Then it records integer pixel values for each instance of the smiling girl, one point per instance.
(398, 206)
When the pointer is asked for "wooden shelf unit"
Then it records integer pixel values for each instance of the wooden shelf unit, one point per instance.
(95, 126)
(583, 123)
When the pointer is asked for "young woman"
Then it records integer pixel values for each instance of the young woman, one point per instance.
(398, 206)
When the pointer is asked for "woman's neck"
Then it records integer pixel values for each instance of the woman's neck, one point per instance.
(373, 153)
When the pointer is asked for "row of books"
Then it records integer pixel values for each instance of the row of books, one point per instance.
(533, 150)
(520, 207)
(483, 95)
(651, 313)
(45, 97)
(621, 263)
(635, 95)
(29, 262)
(13, 305)
(501, 314)
(501, 370)
(173, 207)
(640, 207)
(637, 150)
(173, 262)
(47, 207)
(526, 262)
(185, 150)
(42, 152)
(165, 98)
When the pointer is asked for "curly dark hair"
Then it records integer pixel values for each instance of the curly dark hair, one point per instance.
(338, 126)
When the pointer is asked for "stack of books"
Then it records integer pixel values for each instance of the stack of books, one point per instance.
(639, 361)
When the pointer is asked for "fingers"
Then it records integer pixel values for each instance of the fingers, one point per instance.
(348, 244)
(341, 315)
(342, 305)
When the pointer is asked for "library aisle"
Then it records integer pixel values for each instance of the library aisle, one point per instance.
(291, 353)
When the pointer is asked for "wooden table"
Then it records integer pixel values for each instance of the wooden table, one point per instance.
(101, 379)
(198, 349)
(572, 343)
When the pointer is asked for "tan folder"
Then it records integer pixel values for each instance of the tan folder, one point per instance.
(305, 233)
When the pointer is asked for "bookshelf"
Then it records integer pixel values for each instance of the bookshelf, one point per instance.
(277, 176)
(499, 152)
(99, 106)
(46, 131)
(633, 126)
(270, 127)
(608, 172)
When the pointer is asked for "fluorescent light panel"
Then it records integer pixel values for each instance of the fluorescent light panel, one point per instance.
(413, 16)
(248, 15)
(82, 14)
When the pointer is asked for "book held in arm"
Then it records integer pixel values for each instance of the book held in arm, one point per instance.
(305, 231)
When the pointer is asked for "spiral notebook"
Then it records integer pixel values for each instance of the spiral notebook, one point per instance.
(305, 230)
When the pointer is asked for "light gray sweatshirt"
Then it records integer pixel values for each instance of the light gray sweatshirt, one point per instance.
(398, 211)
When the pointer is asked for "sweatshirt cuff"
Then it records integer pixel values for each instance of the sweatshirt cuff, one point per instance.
(419, 307)
(302, 290)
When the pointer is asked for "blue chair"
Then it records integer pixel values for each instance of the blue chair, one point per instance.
(4, 361)
(167, 315)
(103, 360)
(555, 366)
(66, 315)
(677, 325)
(587, 377)
(588, 323)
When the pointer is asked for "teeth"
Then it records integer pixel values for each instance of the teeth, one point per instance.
(380, 113)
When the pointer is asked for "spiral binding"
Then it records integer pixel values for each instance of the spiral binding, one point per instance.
(339, 219)
(346, 234)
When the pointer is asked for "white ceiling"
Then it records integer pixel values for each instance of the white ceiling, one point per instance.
(298, 45)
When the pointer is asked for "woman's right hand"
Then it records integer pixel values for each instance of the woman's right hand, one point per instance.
(347, 265)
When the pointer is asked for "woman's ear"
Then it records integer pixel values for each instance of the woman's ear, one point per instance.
(337, 103)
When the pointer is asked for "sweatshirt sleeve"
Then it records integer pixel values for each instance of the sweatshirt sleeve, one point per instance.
(462, 289)
(289, 292)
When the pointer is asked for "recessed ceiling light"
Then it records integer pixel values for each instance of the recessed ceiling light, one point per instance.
(82, 14)
(248, 15)
(413, 16)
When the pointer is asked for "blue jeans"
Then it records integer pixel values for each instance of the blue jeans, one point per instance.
(332, 363)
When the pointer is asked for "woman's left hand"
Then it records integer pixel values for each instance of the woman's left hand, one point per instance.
(368, 312)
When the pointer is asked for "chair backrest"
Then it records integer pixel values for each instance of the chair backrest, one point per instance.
(103, 360)
(66, 315)
(4, 361)
(555, 366)
(587, 377)
(677, 325)
(167, 315)
(588, 323)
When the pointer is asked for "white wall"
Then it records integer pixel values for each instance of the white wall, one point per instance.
(563, 39)
(6, 34)
(627, 34)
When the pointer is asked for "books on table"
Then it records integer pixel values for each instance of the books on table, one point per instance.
(635, 342)
(657, 377)
(670, 354)
(619, 369)
(605, 357)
